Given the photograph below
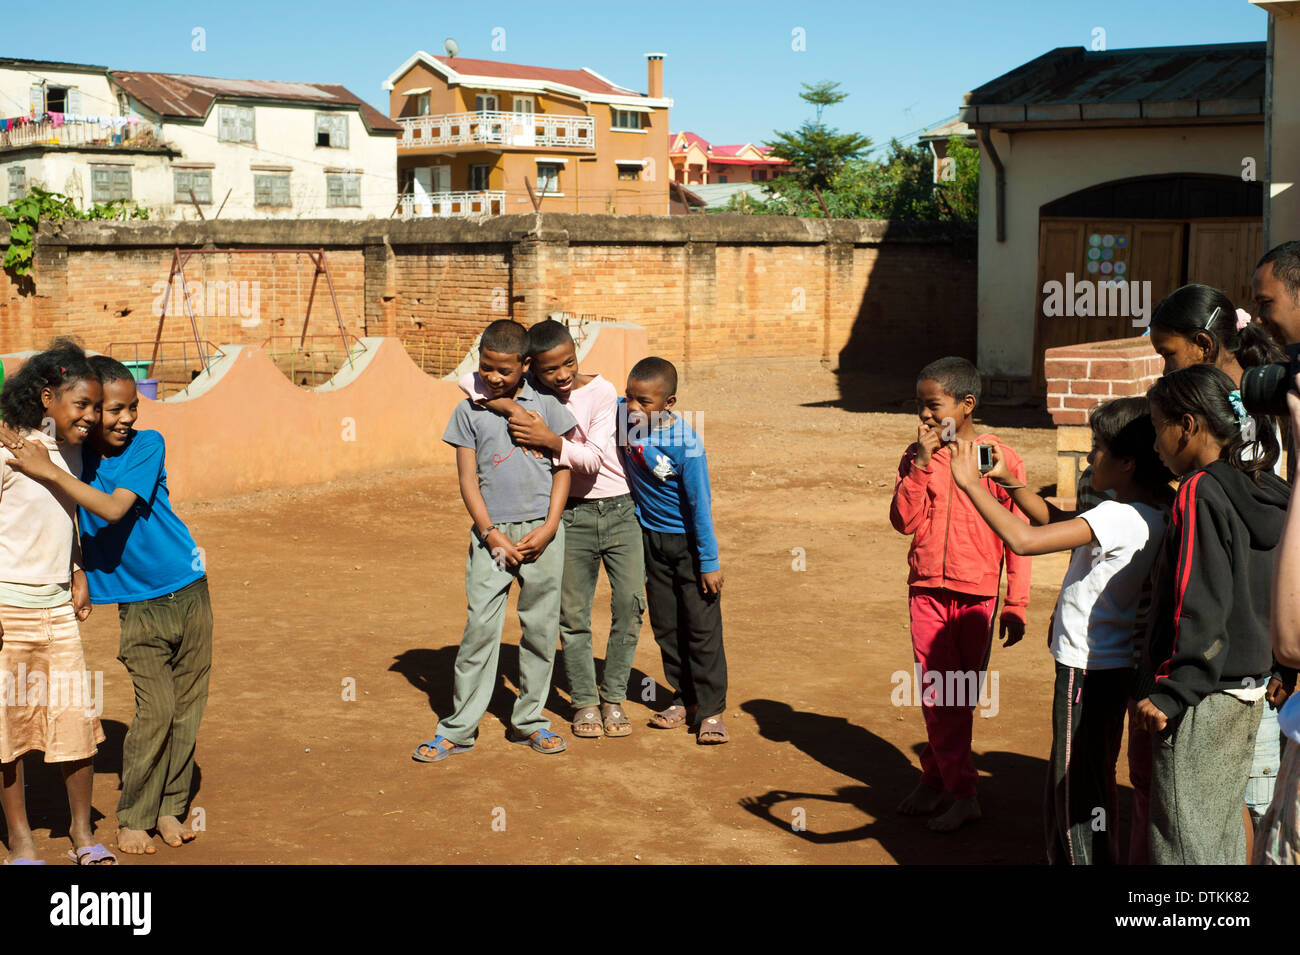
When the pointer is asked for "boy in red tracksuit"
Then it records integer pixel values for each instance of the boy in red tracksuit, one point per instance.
(955, 566)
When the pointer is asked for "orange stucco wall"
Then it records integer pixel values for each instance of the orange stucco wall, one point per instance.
(588, 179)
(253, 429)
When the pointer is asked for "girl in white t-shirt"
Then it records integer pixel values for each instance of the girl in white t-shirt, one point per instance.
(1114, 545)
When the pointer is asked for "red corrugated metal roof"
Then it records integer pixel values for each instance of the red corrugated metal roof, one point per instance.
(190, 97)
(579, 79)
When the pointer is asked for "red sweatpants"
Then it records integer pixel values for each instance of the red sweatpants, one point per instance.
(950, 632)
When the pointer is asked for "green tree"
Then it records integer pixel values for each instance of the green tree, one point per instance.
(816, 151)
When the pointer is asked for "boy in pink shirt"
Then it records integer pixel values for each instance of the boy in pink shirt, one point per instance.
(600, 525)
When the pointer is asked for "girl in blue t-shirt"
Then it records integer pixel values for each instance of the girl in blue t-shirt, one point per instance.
(140, 556)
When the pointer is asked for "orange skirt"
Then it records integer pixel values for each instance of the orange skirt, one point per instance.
(48, 700)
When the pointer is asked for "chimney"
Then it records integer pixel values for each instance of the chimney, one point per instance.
(655, 82)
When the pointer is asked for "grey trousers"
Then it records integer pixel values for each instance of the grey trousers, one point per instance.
(487, 585)
(601, 531)
(1199, 768)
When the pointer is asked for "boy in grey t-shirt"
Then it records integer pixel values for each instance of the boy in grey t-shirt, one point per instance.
(515, 500)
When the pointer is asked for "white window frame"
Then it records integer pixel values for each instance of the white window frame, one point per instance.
(483, 97)
(336, 129)
(17, 189)
(274, 178)
(422, 104)
(202, 193)
(634, 165)
(348, 191)
(116, 176)
(238, 119)
(559, 167)
(616, 114)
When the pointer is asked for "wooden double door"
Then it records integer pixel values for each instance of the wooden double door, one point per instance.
(1167, 253)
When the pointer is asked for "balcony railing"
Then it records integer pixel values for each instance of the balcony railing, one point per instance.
(451, 204)
(80, 133)
(499, 129)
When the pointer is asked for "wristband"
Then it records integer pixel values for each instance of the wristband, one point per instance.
(488, 530)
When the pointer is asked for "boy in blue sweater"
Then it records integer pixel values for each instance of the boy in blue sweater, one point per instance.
(668, 474)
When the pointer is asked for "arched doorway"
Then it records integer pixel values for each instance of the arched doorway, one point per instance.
(1162, 230)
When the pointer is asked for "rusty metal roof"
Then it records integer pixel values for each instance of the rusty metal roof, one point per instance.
(180, 96)
(1072, 84)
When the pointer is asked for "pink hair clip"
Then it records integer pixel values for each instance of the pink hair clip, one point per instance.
(1243, 318)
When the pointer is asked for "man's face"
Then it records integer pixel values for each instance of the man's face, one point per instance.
(1279, 311)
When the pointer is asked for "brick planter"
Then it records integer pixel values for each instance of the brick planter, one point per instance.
(1078, 378)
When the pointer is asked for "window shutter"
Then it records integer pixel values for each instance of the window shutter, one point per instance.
(261, 190)
(227, 128)
(340, 135)
(182, 186)
(245, 125)
(121, 184)
(74, 101)
(280, 190)
(36, 101)
(352, 191)
(202, 186)
(334, 190)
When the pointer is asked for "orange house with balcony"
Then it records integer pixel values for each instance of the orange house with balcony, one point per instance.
(477, 135)
(698, 162)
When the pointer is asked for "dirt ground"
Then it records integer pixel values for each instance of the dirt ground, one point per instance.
(364, 581)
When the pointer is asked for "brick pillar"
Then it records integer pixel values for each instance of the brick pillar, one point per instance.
(50, 274)
(379, 286)
(838, 297)
(700, 291)
(1079, 377)
(539, 274)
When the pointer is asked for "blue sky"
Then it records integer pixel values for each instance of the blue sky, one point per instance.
(730, 68)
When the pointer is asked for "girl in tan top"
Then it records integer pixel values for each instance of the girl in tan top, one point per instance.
(46, 697)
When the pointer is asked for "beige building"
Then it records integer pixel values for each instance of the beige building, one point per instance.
(1143, 168)
(1282, 129)
(178, 144)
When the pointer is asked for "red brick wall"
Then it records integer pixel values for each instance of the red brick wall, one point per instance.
(862, 295)
(1079, 377)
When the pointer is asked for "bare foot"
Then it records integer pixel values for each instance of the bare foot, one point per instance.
(22, 847)
(173, 832)
(959, 813)
(135, 842)
(921, 801)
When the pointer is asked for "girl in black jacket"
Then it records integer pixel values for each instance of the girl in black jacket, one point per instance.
(1209, 645)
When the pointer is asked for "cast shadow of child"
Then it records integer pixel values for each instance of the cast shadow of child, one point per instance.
(887, 775)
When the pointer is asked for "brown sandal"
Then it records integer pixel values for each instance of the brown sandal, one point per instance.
(586, 723)
(670, 718)
(714, 729)
(615, 720)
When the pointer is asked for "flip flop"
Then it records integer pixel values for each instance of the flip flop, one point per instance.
(713, 726)
(615, 720)
(536, 743)
(24, 862)
(92, 855)
(440, 752)
(588, 717)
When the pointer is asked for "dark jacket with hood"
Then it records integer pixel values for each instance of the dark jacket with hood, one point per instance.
(1209, 623)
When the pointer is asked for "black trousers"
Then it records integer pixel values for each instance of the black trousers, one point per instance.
(687, 625)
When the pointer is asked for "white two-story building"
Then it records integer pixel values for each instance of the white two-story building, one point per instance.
(184, 146)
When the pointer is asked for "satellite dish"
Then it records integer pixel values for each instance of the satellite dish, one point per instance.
(450, 46)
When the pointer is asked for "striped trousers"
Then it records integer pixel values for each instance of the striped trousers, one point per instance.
(166, 647)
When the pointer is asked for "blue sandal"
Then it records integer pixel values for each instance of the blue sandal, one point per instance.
(440, 752)
(536, 743)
